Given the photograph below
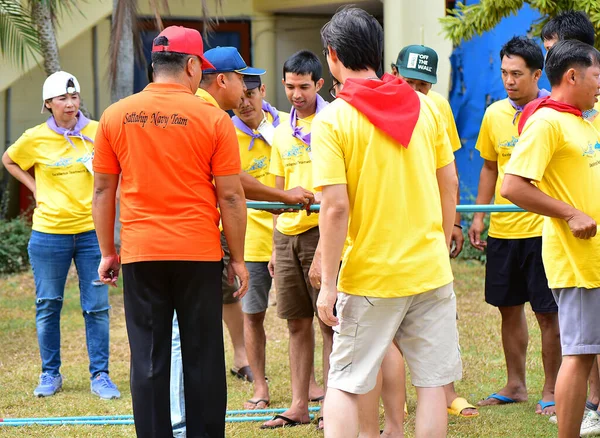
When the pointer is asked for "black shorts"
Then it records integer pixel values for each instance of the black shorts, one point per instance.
(514, 274)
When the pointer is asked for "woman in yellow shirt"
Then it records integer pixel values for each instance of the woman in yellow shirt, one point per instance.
(60, 151)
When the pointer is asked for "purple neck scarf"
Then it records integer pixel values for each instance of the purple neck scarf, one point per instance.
(541, 93)
(239, 124)
(82, 122)
(296, 131)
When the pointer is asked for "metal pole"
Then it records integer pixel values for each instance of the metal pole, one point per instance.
(504, 208)
(115, 422)
(38, 420)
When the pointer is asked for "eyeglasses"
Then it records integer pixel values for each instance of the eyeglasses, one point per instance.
(335, 88)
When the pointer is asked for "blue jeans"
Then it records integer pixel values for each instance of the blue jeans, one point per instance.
(177, 394)
(51, 256)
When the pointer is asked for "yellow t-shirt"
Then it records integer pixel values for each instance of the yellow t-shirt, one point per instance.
(64, 186)
(207, 97)
(292, 159)
(256, 162)
(562, 153)
(496, 142)
(396, 244)
(446, 112)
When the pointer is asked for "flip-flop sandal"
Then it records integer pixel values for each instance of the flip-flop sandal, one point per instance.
(320, 429)
(255, 403)
(317, 399)
(288, 422)
(459, 405)
(244, 373)
(545, 405)
(505, 400)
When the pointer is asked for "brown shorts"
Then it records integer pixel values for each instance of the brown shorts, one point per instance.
(296, 298)
(228, 289)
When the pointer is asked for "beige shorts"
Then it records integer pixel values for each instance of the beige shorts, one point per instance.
(423, 326)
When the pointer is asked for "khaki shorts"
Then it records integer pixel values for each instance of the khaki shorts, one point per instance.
(296, 298)
(228, 289)
(423, 326)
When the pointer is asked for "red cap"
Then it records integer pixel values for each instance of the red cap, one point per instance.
(182, 40)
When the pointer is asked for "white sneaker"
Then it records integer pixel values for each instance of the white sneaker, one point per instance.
(590, 426)
(554, 420)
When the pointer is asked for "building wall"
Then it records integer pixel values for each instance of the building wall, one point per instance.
(3, 138)
(296, 33)
(274, 39)
(406, 23)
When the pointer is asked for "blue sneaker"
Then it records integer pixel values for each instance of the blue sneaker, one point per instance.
(103, 387)
(49, 385)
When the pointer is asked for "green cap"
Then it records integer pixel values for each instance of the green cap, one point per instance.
(418, 62)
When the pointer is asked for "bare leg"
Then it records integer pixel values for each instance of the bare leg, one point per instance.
(341, 414)
(256, 341)
(234, 320)
(368, 411)
(571, 388)
(551, 357)
(432, 418)
(327, 333)
(314, 390)
(594, 394)
(393, 392)
(514, 341)
(302, 351)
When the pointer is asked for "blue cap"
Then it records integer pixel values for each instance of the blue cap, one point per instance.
(228, 59)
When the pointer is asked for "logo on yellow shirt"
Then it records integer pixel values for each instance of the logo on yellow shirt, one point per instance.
(295, 151)
(509, 143)
(257, 164)
(591, 150)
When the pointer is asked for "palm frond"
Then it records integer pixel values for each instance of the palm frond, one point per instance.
(207, 19)
(18, 34)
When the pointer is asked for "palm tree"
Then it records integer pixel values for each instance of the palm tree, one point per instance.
(464, 22)
(26, 33)
(125, 43)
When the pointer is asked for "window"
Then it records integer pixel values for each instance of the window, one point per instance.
(232, 33)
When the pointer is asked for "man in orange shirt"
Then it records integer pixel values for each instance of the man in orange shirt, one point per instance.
(170, 146)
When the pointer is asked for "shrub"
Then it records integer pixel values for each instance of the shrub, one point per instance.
(14, 236)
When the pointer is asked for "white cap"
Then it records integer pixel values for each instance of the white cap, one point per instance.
(56, 85)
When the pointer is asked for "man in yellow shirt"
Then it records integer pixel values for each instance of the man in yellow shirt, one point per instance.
(421, 76)
(576, 25)
(381, 141)
(297, 234)
(559, 151)
(255, 121)
(514, 269)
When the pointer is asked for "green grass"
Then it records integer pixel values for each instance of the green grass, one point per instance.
(479, 325)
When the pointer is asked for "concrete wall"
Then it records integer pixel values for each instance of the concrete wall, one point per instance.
(3, 138)
(406, 22)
